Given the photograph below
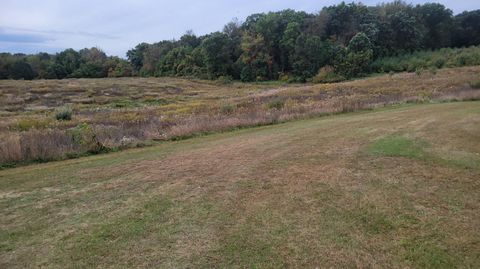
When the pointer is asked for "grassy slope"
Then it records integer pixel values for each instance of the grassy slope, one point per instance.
(390, 188)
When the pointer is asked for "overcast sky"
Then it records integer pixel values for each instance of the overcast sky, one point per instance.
(31, 26)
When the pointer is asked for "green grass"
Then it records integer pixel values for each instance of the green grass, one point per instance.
(337, 191)
(397, 146)
(89, 248)
(125, 103)
(428, 255)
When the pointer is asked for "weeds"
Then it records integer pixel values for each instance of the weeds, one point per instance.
(63, 113)
(327, 75)
(211, 109)
(26, 124)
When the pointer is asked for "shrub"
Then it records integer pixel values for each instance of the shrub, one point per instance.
(84, 137)
(425, 96)
(276, 103)
(475, 84)
(439, 63)
(327, 75)
(284, 77)
(63, 113)
(224, 80)
(227, 109)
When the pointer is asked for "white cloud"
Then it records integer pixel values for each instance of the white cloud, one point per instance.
(116, 26)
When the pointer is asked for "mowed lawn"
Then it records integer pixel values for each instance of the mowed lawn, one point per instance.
(395, 188)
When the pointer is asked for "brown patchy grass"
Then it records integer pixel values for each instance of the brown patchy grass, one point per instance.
(348, 190)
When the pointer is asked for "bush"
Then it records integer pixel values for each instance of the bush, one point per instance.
(439, 63)
(227, 109)
(84, 136)
(475, 84)
(224, 80)
(21, 70)
(63, 113)
(327, 75)
(276, 103)
(284, 77)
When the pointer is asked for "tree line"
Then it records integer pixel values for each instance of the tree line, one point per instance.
(86, 63)
(340, 41)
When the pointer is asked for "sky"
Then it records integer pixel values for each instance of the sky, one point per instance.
(32, 26)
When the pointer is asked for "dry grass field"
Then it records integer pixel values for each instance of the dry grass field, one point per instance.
(111, 114)
(391, 187)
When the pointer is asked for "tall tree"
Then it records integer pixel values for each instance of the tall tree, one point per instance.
(467, 29)
(21, 70)
(256, 63)
(356, 58)
(67, 61)
(217, 52)
(438, 23)
(310, 54)
(135, 56)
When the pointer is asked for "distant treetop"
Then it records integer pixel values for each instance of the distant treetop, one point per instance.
(286, 44)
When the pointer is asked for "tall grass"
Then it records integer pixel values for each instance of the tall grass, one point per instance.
(429, 60)
(54, 144)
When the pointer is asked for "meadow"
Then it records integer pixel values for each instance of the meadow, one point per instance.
(393, 187)
(44, 120)
(342, 136)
